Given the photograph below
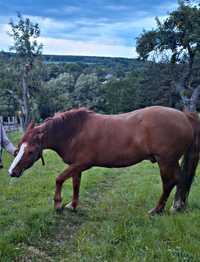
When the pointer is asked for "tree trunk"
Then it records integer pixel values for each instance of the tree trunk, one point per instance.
(25, 103)
(21, 124)
(190, 103)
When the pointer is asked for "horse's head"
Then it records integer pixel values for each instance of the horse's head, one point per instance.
(28, 152)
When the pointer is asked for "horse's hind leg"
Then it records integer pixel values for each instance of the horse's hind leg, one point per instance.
(169, 173)
(181, 195)
(180, 199)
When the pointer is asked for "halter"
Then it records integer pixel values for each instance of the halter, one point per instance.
(42, 158)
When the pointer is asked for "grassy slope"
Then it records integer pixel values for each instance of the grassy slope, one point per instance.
(112, 222)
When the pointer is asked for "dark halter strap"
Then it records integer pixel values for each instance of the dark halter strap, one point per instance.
(42, 158)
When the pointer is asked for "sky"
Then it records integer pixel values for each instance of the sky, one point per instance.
(86, 27)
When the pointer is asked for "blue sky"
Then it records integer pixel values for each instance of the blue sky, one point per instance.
(86, 27)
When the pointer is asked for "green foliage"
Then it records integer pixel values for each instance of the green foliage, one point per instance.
(156, 87)
(179, 33)
(25, 34)
(87, 91)
(58, 87)
(89, 60)
(23, 66)
(146, 43)
(176, 40)
(54, 95)
(8, 82)
(120, 95)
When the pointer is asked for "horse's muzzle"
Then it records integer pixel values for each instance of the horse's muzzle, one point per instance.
(14, 174)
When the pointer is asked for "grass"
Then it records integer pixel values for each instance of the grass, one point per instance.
(111, 224)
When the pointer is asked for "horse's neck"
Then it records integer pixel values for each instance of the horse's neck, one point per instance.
(58, 135)
(53, 140)
(49, 141)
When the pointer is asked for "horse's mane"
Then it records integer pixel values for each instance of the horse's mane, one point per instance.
(70, 121)
(73, 115)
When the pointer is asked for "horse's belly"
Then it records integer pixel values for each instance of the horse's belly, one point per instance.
(120, 159)
(118, 163)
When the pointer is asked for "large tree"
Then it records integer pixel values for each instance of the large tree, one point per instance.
(177, 38)
(27, 52)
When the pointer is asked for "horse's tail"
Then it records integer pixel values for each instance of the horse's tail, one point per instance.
(191, 156)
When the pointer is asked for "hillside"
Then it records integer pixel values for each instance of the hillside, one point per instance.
(107, 61)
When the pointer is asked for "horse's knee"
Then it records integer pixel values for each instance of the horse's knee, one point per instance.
(59, 181)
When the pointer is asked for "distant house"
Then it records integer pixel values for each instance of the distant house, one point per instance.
(107, 78)
(10, 123)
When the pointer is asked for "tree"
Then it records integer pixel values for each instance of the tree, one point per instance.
(55, 95)
(27, 53)
(119, 95)
(155, 87)
(8, 105)
(178, 40)
(87, 91)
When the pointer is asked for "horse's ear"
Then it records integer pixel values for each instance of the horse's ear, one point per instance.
(31, 125)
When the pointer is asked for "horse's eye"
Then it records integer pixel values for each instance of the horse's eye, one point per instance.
(16, 152)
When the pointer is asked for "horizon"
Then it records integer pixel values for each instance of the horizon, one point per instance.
(98, 28)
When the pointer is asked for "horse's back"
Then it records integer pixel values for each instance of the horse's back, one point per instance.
(125, 139)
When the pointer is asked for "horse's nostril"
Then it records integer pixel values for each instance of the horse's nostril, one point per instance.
(13, 174)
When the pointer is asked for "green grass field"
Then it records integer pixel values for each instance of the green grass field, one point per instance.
(111, 224)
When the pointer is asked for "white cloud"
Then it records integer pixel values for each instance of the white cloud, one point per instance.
(68, 9)
(85, 36)
(48, 24)
(5, 40)
(167, 6)
(118, 7)
(99, 47)
(88, 48)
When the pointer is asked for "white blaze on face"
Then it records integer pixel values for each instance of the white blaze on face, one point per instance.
(18, 158)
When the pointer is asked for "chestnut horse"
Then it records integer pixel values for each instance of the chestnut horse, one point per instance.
(83, 139)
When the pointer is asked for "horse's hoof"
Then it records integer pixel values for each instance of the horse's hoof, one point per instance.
(178, 206)
(70, 207)
(154, 212)
(58, 207)
(59, 210)
(174, 210)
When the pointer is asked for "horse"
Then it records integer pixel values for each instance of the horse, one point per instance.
(84, 138)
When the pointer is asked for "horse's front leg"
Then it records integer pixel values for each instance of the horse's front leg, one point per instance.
(69, 172)
(76, 179)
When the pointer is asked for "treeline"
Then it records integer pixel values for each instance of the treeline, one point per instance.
(103, 61)
(60, 86)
